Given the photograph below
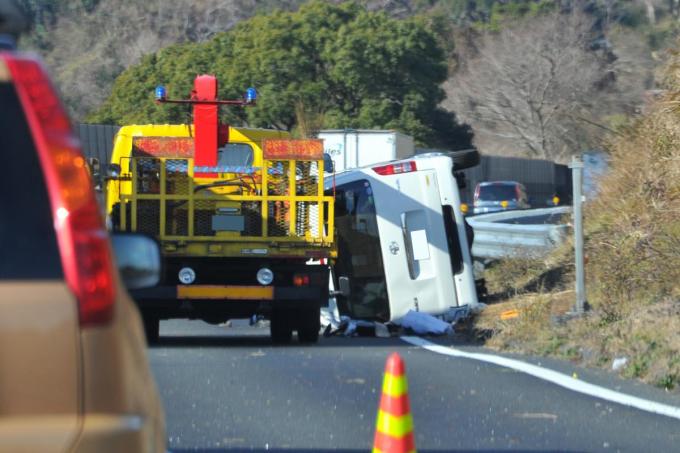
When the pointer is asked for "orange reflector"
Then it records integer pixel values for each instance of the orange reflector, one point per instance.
(301, 280)
(225, 292)
(509, 314)
(163, 146)
(306, 149)
(504, 204)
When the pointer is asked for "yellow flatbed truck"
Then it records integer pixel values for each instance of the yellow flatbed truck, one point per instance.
(241, 217)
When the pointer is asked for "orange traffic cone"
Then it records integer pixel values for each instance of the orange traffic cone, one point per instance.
(394, 427)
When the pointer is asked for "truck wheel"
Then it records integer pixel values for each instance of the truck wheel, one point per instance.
(310, 324)
(151, 328)
(280, 327)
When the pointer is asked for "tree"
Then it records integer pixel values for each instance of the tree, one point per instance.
(88, 43)
(533, 88)
(344, 65)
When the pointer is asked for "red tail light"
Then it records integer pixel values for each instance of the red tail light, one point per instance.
(83, 241)
(395, 169)
(301, 280)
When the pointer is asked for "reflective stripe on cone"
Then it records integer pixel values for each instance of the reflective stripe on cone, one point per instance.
(394, 424)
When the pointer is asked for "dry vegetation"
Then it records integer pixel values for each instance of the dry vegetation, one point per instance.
(550, 85)
(633, 268)
(535, 87)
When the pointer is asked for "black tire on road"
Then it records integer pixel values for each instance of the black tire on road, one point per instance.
(309, 325)
(280, 327)
(465, 159)
(151, 328)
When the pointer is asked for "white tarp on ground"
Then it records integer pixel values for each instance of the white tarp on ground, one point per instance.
(424, 324)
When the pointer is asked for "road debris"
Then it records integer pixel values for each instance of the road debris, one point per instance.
(360, 381)
(422, 323)
(413, 323)
(536, 416)
(381, 330)
(619, 363)
(353, 327)
(417, 323)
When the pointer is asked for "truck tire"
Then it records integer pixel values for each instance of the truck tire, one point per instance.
(280, 327)
(151, 328)
(465, 159)
(310, 324)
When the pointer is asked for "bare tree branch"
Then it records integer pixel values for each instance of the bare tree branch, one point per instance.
(524, 82)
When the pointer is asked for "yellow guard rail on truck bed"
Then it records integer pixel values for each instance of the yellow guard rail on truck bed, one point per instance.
(275, 207)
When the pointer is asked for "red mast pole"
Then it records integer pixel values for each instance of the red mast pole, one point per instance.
(206, 121)
(208, 133)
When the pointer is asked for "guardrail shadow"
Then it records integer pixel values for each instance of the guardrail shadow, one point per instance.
(546, 281)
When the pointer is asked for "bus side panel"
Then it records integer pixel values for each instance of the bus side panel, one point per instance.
(418, 269)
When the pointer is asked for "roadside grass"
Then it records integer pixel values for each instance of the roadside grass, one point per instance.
(647, 340)
(632, 240)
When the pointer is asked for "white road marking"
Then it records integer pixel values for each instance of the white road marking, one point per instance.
(560, 379)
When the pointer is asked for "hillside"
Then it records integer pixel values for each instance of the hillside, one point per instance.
(88, 43)
(632, 241)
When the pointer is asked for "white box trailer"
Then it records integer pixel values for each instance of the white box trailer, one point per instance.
(401, 239)
(352, 148)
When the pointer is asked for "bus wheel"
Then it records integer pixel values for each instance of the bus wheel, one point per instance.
(465, 159)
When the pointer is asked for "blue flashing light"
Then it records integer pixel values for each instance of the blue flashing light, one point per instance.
(161, 93)
(251, 95)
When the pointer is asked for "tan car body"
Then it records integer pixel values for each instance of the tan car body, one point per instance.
(67, 385)
(63, 388)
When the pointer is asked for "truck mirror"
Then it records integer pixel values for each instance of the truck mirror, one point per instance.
(95, 172)
(139, 260)
(93, 165)
(328, 165)
(343, 282)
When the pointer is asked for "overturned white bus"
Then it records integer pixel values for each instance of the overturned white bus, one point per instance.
(402, 240)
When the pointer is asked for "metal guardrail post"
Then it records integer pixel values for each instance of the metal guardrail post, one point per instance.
(577, 179)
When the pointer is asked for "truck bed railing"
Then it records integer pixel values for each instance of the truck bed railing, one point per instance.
(282, 201)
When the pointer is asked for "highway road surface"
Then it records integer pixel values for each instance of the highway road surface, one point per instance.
(227, 389)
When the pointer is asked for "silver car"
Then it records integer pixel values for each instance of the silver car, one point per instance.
(495, 196)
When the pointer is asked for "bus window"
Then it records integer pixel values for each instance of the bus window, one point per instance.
(359, 252)
(455, 252)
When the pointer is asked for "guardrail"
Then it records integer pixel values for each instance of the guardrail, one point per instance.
(497, 237)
